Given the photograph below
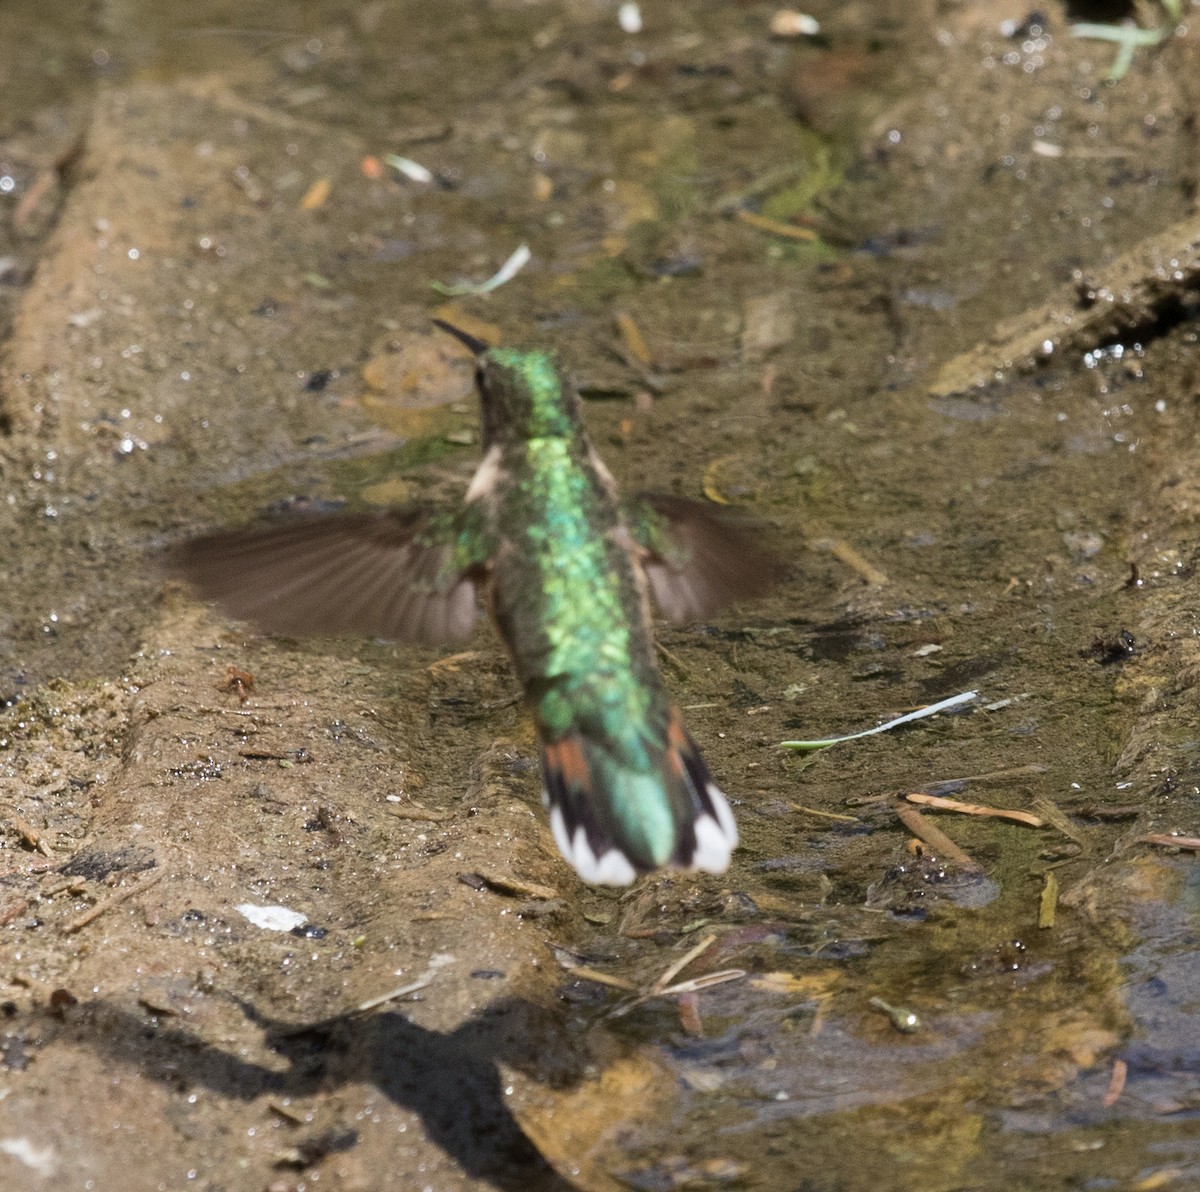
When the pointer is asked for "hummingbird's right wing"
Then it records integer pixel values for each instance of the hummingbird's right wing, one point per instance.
(697, 557)
(405, 574)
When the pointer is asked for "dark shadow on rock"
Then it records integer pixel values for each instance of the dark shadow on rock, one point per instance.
(449, 1080)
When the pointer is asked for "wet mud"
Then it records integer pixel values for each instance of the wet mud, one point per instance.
(759, 257)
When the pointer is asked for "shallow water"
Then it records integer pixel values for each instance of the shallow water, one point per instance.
(213, 309)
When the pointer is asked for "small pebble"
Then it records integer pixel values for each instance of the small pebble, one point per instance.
(788, 23)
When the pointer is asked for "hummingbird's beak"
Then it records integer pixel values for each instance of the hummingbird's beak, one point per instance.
(477, 346)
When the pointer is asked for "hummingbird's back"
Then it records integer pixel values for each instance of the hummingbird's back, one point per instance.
(627, 789)
(566, 593)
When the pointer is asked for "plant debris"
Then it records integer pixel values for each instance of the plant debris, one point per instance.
(515, 263)
(931, 710)
(902, 1019)
(1132, 292)
(943, 804)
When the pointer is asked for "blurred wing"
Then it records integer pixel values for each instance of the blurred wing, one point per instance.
(404, 574)
(698, 557)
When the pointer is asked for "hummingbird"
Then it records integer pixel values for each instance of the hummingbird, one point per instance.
(567, 568)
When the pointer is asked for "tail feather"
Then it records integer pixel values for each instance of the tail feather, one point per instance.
(613, 821)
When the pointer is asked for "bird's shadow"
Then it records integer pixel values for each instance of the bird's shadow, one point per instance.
(451, 1081)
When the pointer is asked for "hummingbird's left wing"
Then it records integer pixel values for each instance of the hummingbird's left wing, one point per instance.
(697, 557)
(405, 574)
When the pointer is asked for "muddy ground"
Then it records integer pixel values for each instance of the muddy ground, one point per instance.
(215, 300)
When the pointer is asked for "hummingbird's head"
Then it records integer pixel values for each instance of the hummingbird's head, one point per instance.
(521, 393)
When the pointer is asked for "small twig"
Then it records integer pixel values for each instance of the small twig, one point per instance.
(73, 925)
(453, 662)
(943, 804)
(849, 555)
(34, 870)
(1116, 1084)
(1168, 841)
(261, 755)
(696, 984)
(662, 987)
(289, 1115)
(438, 961)
(584, 973)
(252, 713)
(774, 227)
(515, 887)
(373, 1003)
(400, 991)
(937, 840)
(672, 971)
(679, 666)
(414, 811)
(833, 815)
(28, 833)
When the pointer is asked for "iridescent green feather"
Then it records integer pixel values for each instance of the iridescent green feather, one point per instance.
(583, 650)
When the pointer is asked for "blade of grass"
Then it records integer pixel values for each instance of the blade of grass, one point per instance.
(515, 263)
(932, 710)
